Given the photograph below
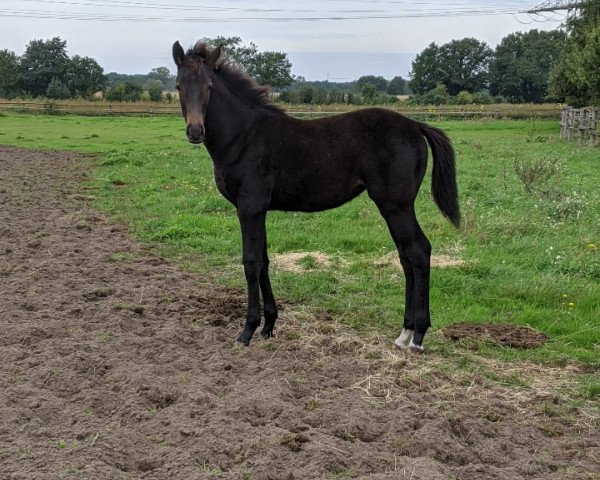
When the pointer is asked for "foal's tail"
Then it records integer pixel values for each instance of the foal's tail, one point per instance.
(443, 182)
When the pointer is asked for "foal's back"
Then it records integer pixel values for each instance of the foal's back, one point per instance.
(320, 164)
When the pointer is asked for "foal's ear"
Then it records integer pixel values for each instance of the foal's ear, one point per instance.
(178, 54)
(213, 58)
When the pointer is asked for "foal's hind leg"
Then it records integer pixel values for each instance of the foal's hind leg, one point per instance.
(270, 307)
(403, 341)
(415, 251)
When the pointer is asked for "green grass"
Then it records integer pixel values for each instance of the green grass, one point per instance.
(531, 258)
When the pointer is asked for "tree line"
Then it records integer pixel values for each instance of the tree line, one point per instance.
(46, 70)
(367, 90)
(533, 66)
(460, 72)
(517, 71)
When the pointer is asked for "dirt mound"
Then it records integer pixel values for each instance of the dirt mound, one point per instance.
(116, 364)
(503, 334)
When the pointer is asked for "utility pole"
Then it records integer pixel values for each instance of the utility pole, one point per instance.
(556, 5)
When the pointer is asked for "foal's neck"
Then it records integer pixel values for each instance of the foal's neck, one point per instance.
(229, 121)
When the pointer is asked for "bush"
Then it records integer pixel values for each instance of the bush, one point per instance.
(437, 96)
(155, 94)
(484, 98)
(465, 98)
(537, 174)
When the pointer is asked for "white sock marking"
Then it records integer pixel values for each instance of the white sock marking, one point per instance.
(404, 339)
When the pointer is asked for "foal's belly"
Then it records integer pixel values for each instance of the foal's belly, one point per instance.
(307, 199)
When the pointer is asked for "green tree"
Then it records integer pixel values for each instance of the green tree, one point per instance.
(155, 89)
(368, 92)
(521, 65)
(242, 55)
(464, 65)
(397, 86)
(164, 75)
(9, 74)
(42, 61)
(57, 90)
(575, 77)
(379, 83)
(460, 65)
(272, 68)
(305, 94)
(85, 76)
(267, 68)
(114, 78)
(425, 73)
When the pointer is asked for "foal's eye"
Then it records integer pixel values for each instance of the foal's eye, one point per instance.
(177, 87)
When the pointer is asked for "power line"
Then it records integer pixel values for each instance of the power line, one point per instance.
(380, 10)
(264, 16)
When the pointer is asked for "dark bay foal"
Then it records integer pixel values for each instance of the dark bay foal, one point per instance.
(266, 160)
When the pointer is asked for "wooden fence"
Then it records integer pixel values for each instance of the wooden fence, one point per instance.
(90, 108)
(422, 112)
(580, 121)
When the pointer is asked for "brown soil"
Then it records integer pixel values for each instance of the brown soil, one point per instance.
(503, 334)
(115, 364)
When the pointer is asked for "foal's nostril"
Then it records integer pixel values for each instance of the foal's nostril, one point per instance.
(195, 133)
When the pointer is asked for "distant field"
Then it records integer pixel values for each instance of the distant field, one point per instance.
(530, 240)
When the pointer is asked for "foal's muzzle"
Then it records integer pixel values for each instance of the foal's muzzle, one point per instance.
(195, 133)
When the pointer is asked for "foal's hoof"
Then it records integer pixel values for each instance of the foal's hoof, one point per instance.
(416, 349)
(405, 342)
(244, 341)
(266, 334)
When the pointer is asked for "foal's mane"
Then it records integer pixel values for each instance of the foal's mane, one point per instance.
(236, 78)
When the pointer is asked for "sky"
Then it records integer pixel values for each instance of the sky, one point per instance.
(337, 40)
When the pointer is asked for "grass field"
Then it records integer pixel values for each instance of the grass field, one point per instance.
(530, 238)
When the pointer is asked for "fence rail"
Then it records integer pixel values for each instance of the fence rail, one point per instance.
(90, 108)
(423, 112)
(583, 121)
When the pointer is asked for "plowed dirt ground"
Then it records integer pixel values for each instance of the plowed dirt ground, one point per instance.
(116, 364)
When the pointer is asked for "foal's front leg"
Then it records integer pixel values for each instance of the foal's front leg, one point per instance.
(270, 307)
(252, 222)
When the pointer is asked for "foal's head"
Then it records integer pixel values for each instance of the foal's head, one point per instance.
(194, 82)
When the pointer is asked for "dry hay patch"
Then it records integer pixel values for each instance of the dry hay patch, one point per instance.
(301, 262)
(437, 261)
